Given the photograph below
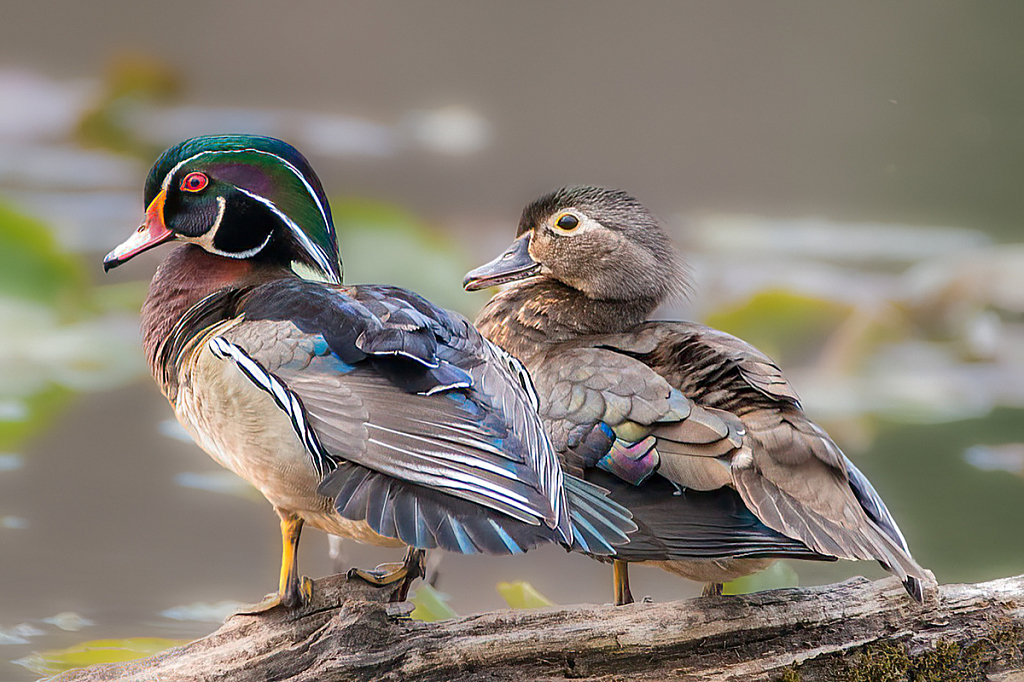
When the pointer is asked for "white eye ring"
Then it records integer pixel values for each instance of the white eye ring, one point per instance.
(567, 222)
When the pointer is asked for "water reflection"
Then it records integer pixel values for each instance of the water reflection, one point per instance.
(1006, 457)
(19, 634)
(203, 612)
(69, 621)
(10, 462)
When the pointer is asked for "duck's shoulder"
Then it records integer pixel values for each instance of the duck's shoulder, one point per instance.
(701, 360)
(657, 372)
(414, 343)
(171, 356)
(363, 309)
(582, 382)
(596, 371)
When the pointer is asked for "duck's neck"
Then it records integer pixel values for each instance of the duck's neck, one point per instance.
(541, 311)
(188, 275)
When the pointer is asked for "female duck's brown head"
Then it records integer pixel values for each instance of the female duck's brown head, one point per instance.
(601, 242)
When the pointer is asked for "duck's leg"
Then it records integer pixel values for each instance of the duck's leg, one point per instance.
(415, 567)
(620, 574)
(405, 573)
(712, 590)
(293, 590)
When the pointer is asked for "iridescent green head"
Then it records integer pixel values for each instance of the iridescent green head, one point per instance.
(238, 196)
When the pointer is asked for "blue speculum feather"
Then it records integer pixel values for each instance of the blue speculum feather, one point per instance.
(320, 346)
(595, 444)
(322, 349)
(465, 403)
(507, 539)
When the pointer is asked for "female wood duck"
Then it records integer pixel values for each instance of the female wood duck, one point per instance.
(364, 411)
(669, 408)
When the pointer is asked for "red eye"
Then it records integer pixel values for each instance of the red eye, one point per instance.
(194, 182)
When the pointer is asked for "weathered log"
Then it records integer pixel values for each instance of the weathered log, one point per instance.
(856, 630)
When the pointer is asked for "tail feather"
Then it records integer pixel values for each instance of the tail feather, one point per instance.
(598, 523)
(876, 536)
(909, 571)
(695, 525)
(425, 518)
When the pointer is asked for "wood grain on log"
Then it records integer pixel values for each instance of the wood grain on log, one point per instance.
(857, 631)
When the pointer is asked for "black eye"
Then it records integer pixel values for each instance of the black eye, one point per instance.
(568, 222)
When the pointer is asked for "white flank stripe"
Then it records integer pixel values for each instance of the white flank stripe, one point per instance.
(285, 399)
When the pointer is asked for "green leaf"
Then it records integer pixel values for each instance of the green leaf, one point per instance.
(430, 605)
(95, 652)
(522, 595)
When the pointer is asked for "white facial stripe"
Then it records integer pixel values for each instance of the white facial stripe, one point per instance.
(314, 250)
(222, 204)
(309, 188)
(241, 255)
(206, 239)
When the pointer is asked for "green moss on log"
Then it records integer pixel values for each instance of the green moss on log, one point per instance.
(1001, 646)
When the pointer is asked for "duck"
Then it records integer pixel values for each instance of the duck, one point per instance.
(363, 411)
(665, 412)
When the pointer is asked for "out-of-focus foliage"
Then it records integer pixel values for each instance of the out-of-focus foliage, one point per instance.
(52, 342)
(29, 414)
(522, 595)
(785, 325)
(430, 605)
(33, 267)
(95, 652)
(778, 575)
(131, 80)
(383, 244)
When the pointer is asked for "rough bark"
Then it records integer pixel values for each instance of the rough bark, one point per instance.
(856, 631)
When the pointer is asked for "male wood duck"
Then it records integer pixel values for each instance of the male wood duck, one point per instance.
(674, 410)
(364, 411)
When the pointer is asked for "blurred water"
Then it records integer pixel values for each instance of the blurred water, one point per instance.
(892, 298)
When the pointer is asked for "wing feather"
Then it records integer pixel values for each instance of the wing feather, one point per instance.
(408, 403)
(722, 414)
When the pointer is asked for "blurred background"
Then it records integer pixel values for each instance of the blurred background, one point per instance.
(844, 179)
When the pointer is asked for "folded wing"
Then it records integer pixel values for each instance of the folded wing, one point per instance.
(430, 435)
(705, 410)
